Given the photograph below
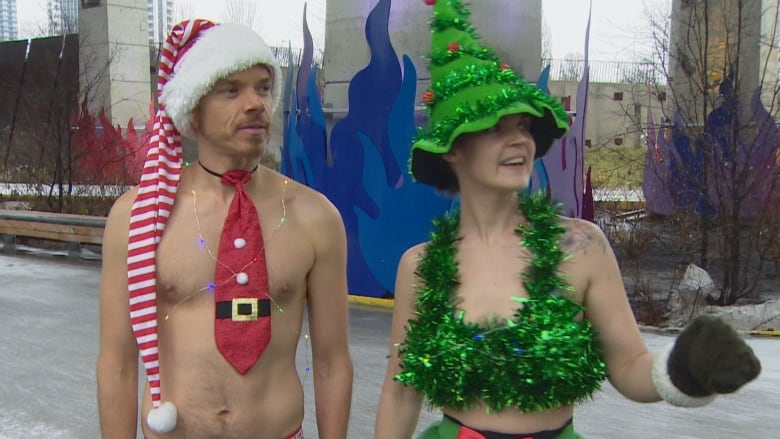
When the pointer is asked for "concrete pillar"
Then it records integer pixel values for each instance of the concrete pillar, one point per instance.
(512, 28)
(769, 54)
(741, 32)
(114, 59)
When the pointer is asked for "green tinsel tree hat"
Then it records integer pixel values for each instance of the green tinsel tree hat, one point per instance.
(471, 89)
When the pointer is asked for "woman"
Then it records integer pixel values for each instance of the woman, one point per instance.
(504, 338)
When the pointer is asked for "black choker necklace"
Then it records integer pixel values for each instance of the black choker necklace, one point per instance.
(217, 174)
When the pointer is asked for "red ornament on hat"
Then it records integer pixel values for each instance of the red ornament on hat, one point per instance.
(428, 97)
(453, 47)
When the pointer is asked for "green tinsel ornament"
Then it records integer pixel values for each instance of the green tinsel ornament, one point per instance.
(542, 358)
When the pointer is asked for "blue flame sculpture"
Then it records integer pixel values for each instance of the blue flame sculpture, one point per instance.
(363, 171)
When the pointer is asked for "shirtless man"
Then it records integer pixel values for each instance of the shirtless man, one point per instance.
(219, 84)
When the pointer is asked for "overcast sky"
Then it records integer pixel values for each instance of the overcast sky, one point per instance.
(619, 30)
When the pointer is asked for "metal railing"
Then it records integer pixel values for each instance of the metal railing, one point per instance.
(619, 72)
(73, 230)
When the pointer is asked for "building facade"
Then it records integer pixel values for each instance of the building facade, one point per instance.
(160, 20)
(63, 16)
(8, 26)
(114, 55)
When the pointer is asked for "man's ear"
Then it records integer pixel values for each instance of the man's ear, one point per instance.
(195, 119)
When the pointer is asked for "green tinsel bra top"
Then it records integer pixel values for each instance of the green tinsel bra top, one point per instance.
(543, 358)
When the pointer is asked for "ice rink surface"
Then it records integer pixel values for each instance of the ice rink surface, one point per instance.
(49, 343)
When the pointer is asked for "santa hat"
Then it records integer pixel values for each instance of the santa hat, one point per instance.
(195, 55)
(471, 90)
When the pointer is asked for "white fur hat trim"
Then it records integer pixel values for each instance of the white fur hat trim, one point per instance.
(667, 390)
(217, 53)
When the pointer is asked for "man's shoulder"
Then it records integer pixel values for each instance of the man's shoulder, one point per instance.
(307, 192)
(309, 198)
(123, 204)
(309, 206)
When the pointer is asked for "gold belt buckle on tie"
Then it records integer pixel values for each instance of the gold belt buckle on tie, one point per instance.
(242, 313)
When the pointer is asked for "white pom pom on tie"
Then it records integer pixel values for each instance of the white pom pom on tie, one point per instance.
(163, 418)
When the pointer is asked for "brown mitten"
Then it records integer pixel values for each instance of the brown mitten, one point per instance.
(708, 358)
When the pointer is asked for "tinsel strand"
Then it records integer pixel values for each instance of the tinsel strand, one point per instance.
(540, 359)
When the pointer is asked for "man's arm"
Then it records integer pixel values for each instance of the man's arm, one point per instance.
(117, 363)
(399, 405)
(328, 322)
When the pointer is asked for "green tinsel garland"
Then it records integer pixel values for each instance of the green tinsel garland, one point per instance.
(440, 23)
(521, 91)
(441, 57)
(459, 21)
(540, 359)
(470, 76)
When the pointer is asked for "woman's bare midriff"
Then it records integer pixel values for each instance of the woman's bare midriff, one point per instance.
(512, 420)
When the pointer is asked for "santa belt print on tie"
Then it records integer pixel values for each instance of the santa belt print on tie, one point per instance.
(243, 309)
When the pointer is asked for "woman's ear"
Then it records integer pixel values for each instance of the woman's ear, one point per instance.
(451, 156)
(455, 151)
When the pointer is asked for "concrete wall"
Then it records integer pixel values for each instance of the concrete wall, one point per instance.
(769, 54)
(38, 95)
(611, 121)
(512, 28)
(114, 59)
(746, 38)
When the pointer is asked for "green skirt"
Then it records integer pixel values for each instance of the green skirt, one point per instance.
(447, 429)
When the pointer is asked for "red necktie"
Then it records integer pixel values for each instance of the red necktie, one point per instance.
(243, 307)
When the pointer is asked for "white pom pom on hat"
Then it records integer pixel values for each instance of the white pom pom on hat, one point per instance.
(162, 419)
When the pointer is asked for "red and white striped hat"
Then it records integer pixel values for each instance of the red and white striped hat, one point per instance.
(195, 55)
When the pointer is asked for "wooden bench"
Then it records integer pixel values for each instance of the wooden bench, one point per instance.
(74, 230)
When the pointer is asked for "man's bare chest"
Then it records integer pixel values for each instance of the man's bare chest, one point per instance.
(188, 257)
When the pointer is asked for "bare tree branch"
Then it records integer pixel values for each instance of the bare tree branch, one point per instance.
(183, 10)
(546, 38)
(246, 12)
(707, 43)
